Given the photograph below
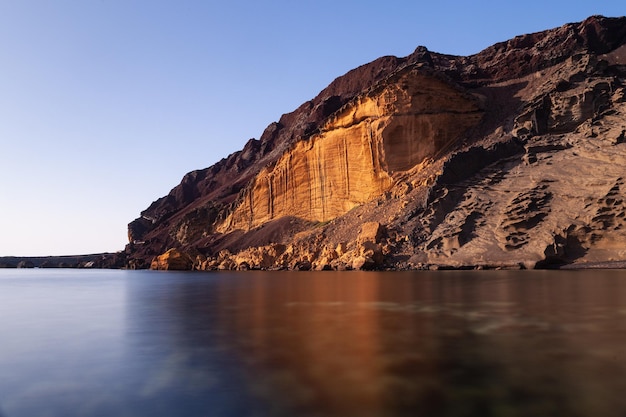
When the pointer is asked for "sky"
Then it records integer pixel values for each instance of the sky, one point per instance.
(106, 104)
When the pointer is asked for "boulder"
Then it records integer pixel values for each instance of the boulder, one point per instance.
(372, 232)
(172, 260)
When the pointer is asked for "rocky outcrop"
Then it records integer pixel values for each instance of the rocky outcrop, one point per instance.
(508, 158)
(558, 201)
(366, 253)
(172, 260)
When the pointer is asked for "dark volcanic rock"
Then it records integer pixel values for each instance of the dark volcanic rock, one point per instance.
(101, 260)
(26, 264)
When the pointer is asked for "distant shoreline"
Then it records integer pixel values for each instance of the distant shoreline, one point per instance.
(95, 260)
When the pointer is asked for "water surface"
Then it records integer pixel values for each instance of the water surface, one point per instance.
(446, 343)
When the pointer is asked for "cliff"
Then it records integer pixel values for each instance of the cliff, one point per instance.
(353, 157)
(508, 158)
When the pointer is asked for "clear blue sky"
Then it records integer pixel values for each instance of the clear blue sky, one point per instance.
(106, 104)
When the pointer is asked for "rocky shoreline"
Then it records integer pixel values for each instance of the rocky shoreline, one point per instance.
(274, 258)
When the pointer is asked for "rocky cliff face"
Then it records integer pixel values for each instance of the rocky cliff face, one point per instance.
(510, 157)
(352, 157)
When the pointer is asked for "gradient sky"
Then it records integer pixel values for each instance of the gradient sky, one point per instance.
(106, 104)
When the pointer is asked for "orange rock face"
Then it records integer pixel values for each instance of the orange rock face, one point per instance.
(172, 260)
(354, 156)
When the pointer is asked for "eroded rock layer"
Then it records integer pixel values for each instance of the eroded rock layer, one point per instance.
(513, 157)
(352, 159)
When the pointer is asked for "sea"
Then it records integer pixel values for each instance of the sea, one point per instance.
(425, 343)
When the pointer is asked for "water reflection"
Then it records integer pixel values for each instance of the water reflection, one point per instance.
(450, 344)
(177, 366)
(143, 343)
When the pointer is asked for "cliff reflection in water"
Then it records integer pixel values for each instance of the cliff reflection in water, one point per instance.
(446, 343)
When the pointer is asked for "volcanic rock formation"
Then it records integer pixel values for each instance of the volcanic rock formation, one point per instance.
(513, 157)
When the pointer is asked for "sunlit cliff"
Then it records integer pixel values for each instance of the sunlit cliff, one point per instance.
(352, 158)
(507, 158)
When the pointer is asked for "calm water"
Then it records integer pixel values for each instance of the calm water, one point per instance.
(143, 343)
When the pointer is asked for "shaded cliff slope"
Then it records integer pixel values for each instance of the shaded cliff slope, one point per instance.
(511, 157)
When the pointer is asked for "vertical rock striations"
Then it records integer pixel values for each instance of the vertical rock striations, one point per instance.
(352, 158)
